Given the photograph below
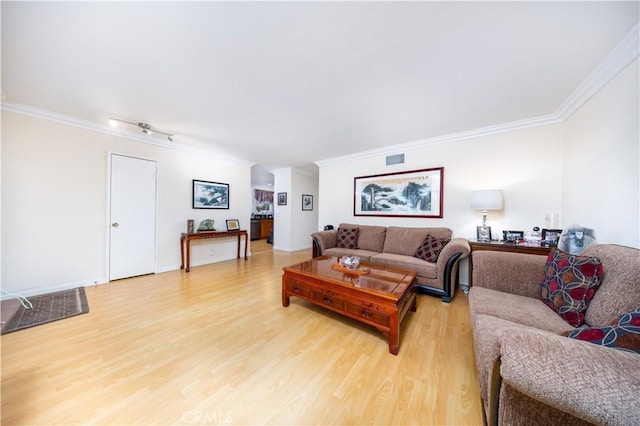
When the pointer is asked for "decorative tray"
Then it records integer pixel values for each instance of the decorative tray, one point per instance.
(357, 271)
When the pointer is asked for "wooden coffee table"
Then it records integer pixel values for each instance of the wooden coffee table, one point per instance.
(381, 298)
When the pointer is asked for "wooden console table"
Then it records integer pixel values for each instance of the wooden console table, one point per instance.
(185, 239)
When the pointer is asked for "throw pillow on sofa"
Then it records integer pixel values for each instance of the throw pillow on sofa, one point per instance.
(347, 238)
(569, 284)
(623, 334)
(430, 248)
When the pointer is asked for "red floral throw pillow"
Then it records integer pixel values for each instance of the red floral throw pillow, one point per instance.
(347, 238)
(430, 248)
(569, 284)
(623, 334)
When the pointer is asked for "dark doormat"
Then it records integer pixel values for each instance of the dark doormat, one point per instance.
(48, 308)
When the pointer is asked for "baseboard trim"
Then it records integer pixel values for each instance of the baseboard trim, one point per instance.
(53, 288)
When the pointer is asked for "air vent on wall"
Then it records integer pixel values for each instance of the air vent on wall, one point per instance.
(395, 159)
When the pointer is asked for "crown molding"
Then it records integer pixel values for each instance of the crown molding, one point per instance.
(304, 172)
(453, 137)
(294, 170)
(108, 130)
(620, 57)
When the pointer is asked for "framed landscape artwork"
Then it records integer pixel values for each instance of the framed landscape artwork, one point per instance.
(210, 195)
(416, 193)
(233, 225)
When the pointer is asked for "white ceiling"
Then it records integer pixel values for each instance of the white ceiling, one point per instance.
(283, 84)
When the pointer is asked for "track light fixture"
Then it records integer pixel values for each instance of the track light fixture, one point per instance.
(146, 128)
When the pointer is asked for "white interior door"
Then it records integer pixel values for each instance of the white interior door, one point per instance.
(132, 240)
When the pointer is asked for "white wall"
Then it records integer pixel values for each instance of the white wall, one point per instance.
(54, 202)
(525, 164)
(601, 162)
(282, 218)
(293, 226)
(54, 188)
(586, 168)
(303, 222)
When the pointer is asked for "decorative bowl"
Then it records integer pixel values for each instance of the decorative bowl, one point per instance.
(350, 262)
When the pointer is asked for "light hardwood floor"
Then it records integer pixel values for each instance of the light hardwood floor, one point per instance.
(215, 346)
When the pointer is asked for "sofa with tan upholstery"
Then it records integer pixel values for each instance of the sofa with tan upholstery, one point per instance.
(397, 246)
(530, 371)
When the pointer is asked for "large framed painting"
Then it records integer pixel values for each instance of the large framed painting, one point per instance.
(416, 193)
(210, 195)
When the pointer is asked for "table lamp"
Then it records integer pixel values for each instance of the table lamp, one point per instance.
(485, 200)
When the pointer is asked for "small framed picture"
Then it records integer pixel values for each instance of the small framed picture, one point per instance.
(550, 237)
(233, 225)
(479, 235)
(282, 198)
(512, 236)
(307, 202)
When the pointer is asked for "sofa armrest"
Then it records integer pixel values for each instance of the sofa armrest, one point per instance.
(447, 265)
(514, 273)
(323, 240)
(456, 245)
(594, 383)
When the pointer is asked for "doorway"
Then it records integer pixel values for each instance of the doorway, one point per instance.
(132, 217)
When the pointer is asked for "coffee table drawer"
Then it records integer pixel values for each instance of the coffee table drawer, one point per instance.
(368, 314)
(329, 299)
(299, 289)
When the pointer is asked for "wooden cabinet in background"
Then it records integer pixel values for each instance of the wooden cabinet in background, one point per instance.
(265, 227)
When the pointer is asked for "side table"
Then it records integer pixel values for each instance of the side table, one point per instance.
(185, 240)
(476, 245)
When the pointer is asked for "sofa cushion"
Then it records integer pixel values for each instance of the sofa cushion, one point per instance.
(618, 293)
(369, 237)
(347, 238)
(623, 334)
(422, 267)
(364, 255)
(569, 284)
(515, 273)
(518, 309)
(404, 240)
(430, 248)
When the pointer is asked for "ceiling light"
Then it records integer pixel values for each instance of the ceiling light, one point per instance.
(146, 128)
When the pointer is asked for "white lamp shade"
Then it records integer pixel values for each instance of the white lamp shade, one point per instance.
(488, 199)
